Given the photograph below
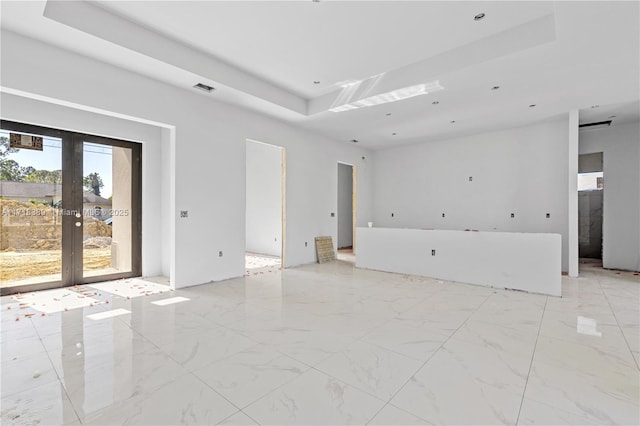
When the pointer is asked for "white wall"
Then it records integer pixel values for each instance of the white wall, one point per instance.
(521, 171)
(494, 259)
(345, 205)
(166, 196)
(620, 145)
(17, 108)
(264, 199)
(209, 147)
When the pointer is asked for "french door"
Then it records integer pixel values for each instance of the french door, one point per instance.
(70, 208)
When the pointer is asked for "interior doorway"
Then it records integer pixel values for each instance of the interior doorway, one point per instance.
(346, 211)
(265, 226)
(590, 206)
(71, 208)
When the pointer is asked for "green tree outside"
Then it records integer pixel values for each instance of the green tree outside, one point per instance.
(45, 176)
(93, 182)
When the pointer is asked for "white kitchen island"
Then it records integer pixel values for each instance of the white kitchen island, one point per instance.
(521, 261)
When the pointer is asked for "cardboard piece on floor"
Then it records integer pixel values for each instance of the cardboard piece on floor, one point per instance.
(324, 249)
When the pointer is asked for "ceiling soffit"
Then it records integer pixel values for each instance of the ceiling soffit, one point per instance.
(94, 20)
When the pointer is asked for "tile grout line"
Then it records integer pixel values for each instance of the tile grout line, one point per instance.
(361, 338)
(429, 359)
(394, 351)
(524, 391)
(282, 385)
(215, 391)
(64, 388)
(400, 409)
(279, 387)
(252, 419)
(617, 322)
(313, 367)
(440, 347)
(396, 317)
(239, 411)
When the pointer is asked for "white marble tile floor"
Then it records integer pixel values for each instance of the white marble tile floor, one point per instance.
(328, 345)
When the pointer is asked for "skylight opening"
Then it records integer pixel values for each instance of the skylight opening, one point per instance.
(393, 96)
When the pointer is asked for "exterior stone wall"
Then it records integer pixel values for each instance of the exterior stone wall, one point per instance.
(26, 226)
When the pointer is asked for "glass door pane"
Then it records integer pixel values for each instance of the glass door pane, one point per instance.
(107, 210)
(31, 209)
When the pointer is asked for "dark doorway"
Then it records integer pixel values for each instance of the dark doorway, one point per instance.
(590, 205)
(345, 206)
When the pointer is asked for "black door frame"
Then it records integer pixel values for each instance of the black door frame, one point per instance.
(72, 204)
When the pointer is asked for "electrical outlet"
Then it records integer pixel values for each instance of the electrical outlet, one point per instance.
(470, 178)
(305, 243)
(513, 215)
(433, 252)
(184, 213)
(548, 215)
(392, 215)
(220, 253)
(442, 214)
(333, 214)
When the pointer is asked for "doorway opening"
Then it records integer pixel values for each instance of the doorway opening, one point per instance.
(590, 207)
(71, 208)
(265, 225)
(346, 212)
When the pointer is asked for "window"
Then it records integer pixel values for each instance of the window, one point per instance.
(590, 181)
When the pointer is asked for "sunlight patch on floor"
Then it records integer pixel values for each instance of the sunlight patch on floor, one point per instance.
(255, 261)
(129, 288)
(58, 300)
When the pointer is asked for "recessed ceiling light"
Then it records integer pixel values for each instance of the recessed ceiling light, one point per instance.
(354, 141)
(532, 105)
(388, 114)
(595, 106)
(452, 121)
(316, 82)
(435, 102)
(204, 87)
(495, 87)
(394, 133)
(479, 16)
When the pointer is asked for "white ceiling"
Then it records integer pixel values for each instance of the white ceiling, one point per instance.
(294, 43)
(266, 55)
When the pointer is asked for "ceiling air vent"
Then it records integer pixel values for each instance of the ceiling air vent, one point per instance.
(204, 87)
(595, 125)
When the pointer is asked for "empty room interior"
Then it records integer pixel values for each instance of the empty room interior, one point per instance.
(320, 212)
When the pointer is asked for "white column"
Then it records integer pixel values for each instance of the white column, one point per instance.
(121, 201)
(573, 194)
